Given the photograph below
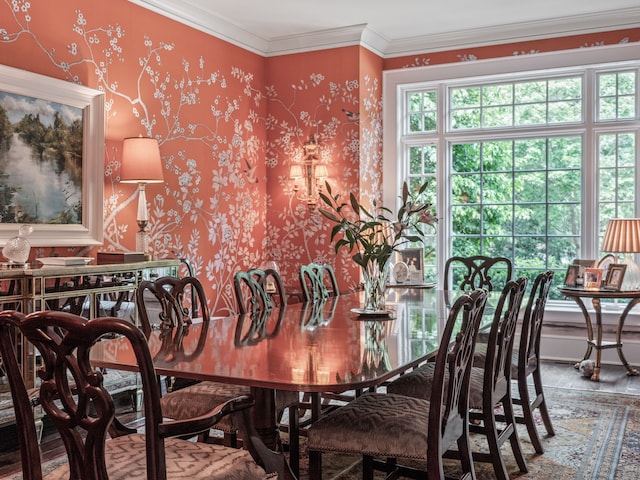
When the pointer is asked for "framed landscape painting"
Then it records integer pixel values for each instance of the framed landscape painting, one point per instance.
(51, 159)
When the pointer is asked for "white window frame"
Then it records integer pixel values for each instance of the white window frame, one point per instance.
(397, 82)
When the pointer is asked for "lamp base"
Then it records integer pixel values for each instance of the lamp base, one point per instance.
(142, 239)
(631, 279)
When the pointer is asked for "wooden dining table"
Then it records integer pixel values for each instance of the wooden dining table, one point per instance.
(299, 348)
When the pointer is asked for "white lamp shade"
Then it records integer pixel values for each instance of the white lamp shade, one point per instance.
(622, 236)
(295, 171)
(321, 171)
(141, 161)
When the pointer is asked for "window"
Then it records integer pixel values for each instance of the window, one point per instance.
(529, 165)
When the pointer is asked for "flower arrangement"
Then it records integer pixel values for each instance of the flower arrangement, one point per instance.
(376, 235)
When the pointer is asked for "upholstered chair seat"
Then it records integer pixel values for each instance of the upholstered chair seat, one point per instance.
(200, 398)
(380, 425)
(185, 459)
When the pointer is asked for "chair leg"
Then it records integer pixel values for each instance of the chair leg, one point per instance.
(466, 456)
(491, 434)
(527, 413)
(510, 420)
(367, 467)
(315, 465)
(544, 413)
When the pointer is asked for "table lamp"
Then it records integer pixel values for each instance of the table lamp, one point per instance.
(141, 164)
(623, 236)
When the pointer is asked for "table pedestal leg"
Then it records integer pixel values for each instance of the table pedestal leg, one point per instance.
(264, 416)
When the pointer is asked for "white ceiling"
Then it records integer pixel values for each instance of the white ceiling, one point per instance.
(393, 27)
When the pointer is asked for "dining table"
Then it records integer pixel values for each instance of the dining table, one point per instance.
(329, 346)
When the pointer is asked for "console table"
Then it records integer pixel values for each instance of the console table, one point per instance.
(88, 290)
(596, 296)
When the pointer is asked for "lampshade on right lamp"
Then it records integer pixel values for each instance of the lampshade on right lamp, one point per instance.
(622, 236)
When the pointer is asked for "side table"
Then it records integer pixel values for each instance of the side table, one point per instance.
(596, 296)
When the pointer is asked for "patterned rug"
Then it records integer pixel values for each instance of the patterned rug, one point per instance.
(597, 437)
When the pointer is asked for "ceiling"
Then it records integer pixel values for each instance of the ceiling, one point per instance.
(393, 28)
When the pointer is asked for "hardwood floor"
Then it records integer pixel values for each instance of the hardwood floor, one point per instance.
(613, 378)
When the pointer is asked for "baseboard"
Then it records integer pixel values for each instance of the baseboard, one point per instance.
(569, 342)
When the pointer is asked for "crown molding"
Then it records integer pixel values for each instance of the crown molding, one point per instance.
(207, 22)
(517, 32)
(200, 19)
(326, 39)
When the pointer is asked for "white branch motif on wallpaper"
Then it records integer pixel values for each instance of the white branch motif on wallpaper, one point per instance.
(215, 196)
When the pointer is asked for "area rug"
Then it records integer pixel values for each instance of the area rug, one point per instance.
(597, 437)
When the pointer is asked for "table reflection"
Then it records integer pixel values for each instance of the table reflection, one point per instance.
(303, 347)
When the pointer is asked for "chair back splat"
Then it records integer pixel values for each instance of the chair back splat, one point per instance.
(318, 282)
(22, 405)
(455, 365)
(252, 290)
(169, 302)
(469, 273)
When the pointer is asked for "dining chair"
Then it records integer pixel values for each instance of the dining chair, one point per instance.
(74, 398)
(490, 384)
(383, 427)
(469, 273)
(318, 282)
(170, 304)
(526, 361)
(252, 289)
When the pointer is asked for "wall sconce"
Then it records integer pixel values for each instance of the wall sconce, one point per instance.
(311, 172)
(141, 164)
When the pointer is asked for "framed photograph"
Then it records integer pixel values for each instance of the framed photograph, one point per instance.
(583, 264)
(615, 276)
(571, 277)
(51, 160)
(592, 278)
(413, 257)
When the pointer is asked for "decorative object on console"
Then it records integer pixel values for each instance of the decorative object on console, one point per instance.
(113, 258)
(141, 164)
(311, 172)
(64, 261)
(17, 249)
(376, 235)
(623, 236)
(400, 272)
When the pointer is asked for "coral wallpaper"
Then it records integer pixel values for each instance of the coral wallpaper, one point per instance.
(230, 124)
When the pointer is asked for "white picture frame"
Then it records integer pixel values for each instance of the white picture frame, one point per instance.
(25, 90)
(414, 258)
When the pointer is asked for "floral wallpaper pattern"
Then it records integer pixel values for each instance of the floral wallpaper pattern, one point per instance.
(230, 124)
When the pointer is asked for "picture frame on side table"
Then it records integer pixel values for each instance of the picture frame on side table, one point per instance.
(582, 264)
(53, 163)
(571, 277)
(615, 276)
(592, 278)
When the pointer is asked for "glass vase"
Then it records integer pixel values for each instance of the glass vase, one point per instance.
(375, 276)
